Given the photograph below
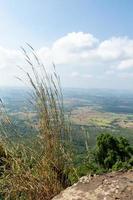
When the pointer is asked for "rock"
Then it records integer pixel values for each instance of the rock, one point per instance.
(111, 186)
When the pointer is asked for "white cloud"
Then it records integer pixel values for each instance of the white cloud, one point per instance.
(74, 74)
(72, 48)
(110, 50)
(110, 72)
(125, 64)
(74, 41)
(88, 76)
(79, 75)
(9, 57)
(83, 48)
(78, 54)
(125, 75)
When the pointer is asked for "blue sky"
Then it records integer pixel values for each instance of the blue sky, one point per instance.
(90, 41)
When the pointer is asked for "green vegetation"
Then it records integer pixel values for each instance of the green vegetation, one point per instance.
(42, 152)
(110, 153)
(44, 168)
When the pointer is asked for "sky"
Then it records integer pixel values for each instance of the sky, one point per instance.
(90, 41)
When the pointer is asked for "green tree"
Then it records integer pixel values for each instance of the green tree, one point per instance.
(111, 152)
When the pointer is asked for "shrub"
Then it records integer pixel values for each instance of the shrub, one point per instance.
(110, 153)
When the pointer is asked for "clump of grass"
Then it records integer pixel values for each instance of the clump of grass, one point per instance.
(40, 174)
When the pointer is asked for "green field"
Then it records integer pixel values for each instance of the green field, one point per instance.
(94, 111)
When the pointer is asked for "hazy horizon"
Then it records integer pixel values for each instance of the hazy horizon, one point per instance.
(20, 87)
(91, 46)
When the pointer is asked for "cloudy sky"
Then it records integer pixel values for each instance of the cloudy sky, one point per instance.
(90, 41)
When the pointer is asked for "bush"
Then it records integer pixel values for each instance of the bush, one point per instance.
(110, 153)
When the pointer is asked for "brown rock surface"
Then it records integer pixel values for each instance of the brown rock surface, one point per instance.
(111, 186)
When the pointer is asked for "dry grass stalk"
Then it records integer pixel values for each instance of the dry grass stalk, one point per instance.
(28, 175)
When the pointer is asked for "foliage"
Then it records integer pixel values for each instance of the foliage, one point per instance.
(110, 153)
(43, 172)
(46, 166)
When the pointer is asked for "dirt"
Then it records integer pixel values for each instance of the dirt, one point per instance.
(111, 186)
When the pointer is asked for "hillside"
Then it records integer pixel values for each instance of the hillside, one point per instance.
(115, 185)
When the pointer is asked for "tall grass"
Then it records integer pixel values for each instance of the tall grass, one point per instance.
(29, 174)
